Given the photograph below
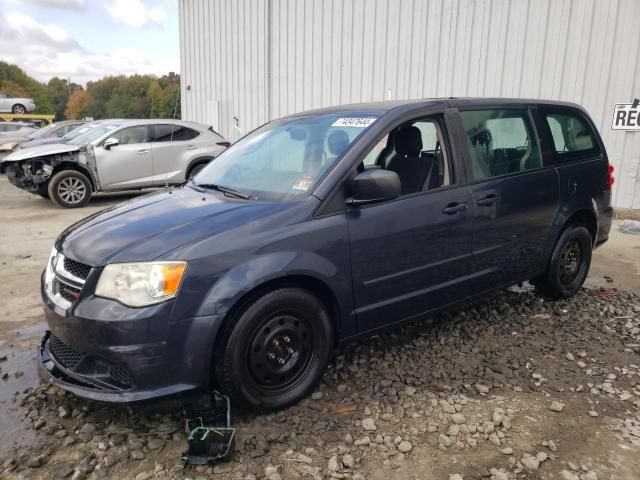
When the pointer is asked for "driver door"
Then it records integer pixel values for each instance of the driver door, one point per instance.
(129, 164)
(412, 254)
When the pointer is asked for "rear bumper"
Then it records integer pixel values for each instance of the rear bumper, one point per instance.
(605, 219)
(104, 351)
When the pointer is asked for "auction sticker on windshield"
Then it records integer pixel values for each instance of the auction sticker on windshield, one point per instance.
(353, 122)
(626, 116)
(303, 184)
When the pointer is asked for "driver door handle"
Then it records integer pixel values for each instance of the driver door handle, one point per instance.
(192, 147)
(489, 200)
(454, 208)
(143, 151)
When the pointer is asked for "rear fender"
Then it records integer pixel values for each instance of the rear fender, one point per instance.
(578, 209)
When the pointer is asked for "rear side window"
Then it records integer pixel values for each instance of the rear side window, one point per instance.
(570, 132)
(500, 142)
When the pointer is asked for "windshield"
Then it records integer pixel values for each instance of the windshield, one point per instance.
(92, 134)
(285, 158)
(44, 131)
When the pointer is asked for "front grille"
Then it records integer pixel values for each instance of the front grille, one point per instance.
(87, 368)
(77, 269)
(69, 293)
(121, 375)
(65, 355)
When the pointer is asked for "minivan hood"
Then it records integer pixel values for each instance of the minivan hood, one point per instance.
(147, 227)
(40, 151)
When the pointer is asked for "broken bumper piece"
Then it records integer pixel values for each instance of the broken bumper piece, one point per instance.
(210, 437)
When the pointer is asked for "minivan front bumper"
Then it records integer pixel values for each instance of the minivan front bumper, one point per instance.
(102, 350)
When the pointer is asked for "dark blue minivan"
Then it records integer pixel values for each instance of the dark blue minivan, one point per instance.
(315, 229)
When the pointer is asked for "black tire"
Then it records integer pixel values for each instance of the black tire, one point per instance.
(273, 352)
(196, 169)
(70, 189)
(569, 264)
(19, 109)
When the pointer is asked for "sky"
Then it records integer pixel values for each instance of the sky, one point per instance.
(89, 39)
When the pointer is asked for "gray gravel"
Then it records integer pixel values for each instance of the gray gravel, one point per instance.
(489, 384)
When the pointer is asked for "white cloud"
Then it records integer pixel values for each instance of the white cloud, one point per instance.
(135, 13)
(46, 50)
(70, 4)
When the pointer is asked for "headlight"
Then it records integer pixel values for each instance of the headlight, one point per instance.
(5, 147)
(141, 284)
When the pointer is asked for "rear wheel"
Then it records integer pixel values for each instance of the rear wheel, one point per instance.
(70, 189)
(18, 109)
(569, 264)
(274, 351)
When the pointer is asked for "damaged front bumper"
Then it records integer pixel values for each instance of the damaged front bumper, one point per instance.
(28, 175)
(102, 350)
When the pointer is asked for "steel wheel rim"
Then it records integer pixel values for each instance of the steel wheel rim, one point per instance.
(280, 351)
(571, 261)
(72, 190)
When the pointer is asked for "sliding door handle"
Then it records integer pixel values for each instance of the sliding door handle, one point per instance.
(454, 208)
(488, 200)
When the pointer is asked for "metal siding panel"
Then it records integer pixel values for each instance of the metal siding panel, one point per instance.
(307, 54)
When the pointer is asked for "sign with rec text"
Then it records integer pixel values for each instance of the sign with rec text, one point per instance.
(626, 116)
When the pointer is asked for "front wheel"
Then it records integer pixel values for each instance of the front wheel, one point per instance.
(569, 264)
(70, 189)
(274, 352)
(18, 109)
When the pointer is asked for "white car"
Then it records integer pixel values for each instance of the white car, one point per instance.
(115, 155)
(13, 104)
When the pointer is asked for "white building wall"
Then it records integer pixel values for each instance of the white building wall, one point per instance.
(260, 59)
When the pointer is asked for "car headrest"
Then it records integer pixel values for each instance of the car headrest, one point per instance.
(481, 137)
(409, 141)
(338, 141)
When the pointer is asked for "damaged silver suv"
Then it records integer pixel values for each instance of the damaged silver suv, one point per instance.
(116, 155)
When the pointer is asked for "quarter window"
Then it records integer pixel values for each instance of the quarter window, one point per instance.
(570, 133)
(173, 133)
(500, 142)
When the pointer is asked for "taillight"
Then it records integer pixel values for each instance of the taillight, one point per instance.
(610, 178)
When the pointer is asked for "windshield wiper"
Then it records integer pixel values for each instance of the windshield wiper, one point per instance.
(226, 190)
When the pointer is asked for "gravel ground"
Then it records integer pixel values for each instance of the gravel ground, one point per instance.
(511, 387)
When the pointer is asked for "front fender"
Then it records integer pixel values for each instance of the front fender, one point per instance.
(243, 278)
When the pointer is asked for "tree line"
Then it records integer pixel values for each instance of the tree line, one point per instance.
(121, 96)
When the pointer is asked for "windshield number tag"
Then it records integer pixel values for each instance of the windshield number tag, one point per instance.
(353, 122)
(303, 183)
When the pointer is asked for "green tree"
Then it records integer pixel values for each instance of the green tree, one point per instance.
(59, 91)
(135, 96)
(15, 81)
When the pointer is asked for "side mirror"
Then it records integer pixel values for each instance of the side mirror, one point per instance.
(110, 142)
(374, 185)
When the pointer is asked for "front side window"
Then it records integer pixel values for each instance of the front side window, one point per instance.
(415, 151)
(131, 135)
(286, 158)
(500, 142)
(570, 133)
